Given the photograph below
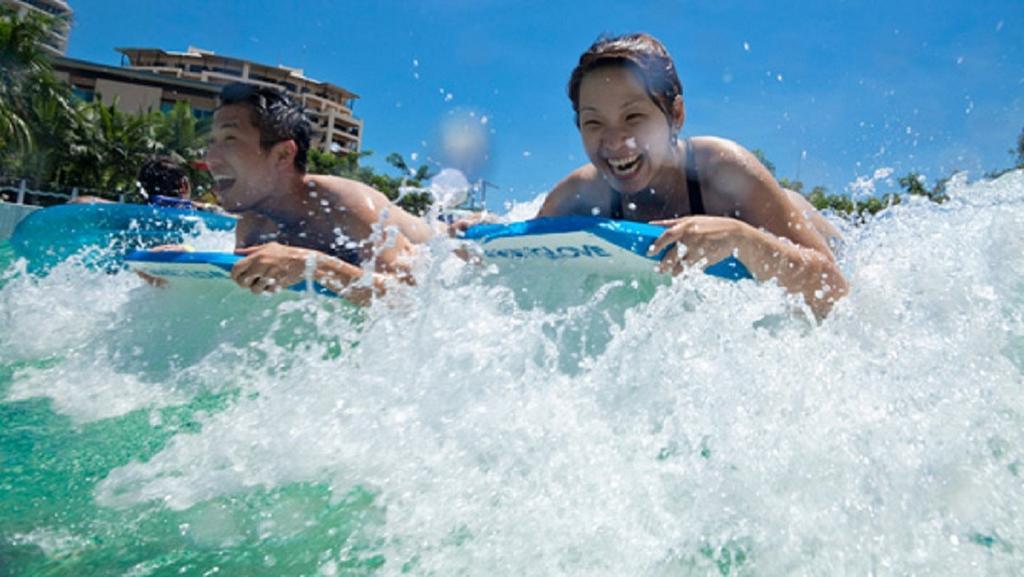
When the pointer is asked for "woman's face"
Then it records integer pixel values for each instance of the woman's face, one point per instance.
(626, 136)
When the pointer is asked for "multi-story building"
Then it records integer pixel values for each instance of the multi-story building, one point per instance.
(56, 42)
(329, 106)
(134, 91)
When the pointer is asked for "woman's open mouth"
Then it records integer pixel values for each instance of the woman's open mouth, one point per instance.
(625, 167)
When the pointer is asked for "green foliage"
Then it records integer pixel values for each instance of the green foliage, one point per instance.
(844, 205)
(89, 145)
(345, 165)
(182, 136)
(794, 185)
(406, 189)
(1019, 153)
(95, 146)
(179, 132)
(109, 147)
(23, 67)
(51, 126)
(53, 139)
(764, 160)
(419, 175)
(913, 184)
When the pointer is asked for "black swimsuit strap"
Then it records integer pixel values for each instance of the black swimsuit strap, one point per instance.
(693, 181)
(616, 212)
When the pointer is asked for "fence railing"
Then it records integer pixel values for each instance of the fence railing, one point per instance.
(18, 192)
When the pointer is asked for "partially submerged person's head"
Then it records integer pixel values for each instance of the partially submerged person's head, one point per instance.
(640, 53)
(163, 176)
(276, 116)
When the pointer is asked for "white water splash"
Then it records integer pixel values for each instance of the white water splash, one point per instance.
(701, 429)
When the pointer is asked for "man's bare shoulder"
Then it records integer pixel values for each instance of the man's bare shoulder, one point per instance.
(364, 205)
(342, 189)
(353, 198)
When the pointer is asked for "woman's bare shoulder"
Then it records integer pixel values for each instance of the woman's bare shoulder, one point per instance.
(730, 175)
(714, 153)
(572, 190)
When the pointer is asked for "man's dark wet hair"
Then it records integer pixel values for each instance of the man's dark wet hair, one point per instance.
(277, 117)
(162, 176)
(643, 54)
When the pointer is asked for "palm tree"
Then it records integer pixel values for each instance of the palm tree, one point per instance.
(22, 64)
(180, 133)
(106, 147)
(51, 120)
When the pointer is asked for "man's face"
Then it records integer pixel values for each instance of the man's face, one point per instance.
(242, 170)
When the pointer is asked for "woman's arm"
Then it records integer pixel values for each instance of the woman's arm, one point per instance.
(714, 238)
(758, 221)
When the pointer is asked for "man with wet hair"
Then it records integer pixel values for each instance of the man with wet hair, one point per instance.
(294, 225)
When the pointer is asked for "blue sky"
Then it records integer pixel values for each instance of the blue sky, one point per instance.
(831, 91)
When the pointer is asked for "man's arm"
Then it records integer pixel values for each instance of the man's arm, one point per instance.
(364, 216)
(273, 266)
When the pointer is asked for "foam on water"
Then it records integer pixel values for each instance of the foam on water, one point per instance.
(706, 430)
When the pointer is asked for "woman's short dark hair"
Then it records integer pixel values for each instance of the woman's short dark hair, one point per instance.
(641, 52)
(277, 117)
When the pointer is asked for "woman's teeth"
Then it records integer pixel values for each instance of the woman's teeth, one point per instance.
(624, 166)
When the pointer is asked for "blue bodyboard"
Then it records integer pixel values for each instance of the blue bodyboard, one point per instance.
(208, 269)
(582, 245)
(47, 237)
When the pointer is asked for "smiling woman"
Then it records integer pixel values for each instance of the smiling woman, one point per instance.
(714, 196)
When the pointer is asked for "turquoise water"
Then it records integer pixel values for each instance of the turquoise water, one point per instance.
(456, 428)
